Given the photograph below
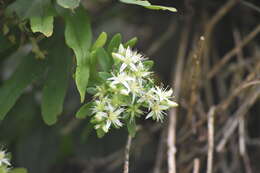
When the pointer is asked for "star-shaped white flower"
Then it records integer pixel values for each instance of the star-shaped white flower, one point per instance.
(121, 78)
(157, 112)
(113, 116)
(128, 58)
(164, 95)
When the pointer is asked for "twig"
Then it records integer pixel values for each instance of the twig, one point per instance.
(171, 139)
(231, 125)
(233, 52)
(196, 168)
(160, 153)
(250, 5)
(210, 139)
(127, 151)
(242, 145)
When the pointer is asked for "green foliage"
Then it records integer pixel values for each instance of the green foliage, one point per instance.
(78, 36)
(43, 24)
(93, 61)
(71, 4)
(56, 83)
(29, 70)
(114, 43)
(131, 43)
(100, 42)
(29, 8)
(148, 5)
(84, 111)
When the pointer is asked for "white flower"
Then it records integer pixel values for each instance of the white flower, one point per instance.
(111, 116)
(121, 78)
(147, 97)
(99, 106)
(164, 95)
(3, 159)
(157, 112)
(141, 71)
(128, 58)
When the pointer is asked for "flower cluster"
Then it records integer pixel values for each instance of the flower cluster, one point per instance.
(129, 92)
(4, 161)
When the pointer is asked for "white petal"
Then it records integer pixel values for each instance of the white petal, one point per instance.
(118, 56)
(149, 115)
(128, 52)
(123, 66)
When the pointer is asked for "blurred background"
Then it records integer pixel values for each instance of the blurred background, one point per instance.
(209, 52)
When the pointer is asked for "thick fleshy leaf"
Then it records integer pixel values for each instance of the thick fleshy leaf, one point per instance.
(100, 42)
(78, 37)
(29, 8)
(28, 71)
(131, 43)
(148, 5)
(72, 4)
(105, 61)
(56, 83)
(43, 24)
(114, 43)
(84, 111)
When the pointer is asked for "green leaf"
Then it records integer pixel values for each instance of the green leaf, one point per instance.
(104, 75)
(104, 59)
(56, 84)
(43, 24)
(148, 63)
(72, 4)
(131, 43)
(28, 8)
(78, 37)
(84, 111)
(91, 90)
(131, 127)
(137, 2)
(100, 42)
(28, 71)
(159, 7)
(114, 43)
(148, 5)
(18, 170)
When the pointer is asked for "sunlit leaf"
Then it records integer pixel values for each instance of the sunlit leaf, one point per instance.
(100, 42)
(148, 5)
(69, 3)
(43, 24)
(78, 37)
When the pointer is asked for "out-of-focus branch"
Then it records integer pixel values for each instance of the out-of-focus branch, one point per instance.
(232, 123)
(234, 51)
(171, 138)
(210, 139)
